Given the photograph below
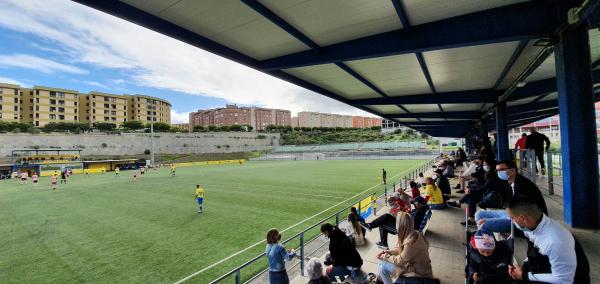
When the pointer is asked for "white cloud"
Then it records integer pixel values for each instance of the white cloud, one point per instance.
(93, 83)
(13, 81)
(154, 60)
(39, 64)
(179, 117)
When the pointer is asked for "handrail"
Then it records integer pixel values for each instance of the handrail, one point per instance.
(236, 271)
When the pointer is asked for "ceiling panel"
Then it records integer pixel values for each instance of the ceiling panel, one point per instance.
(422, 108)
(529, 53)
(386, 109)
(404, 120)
(461, 107)
(233, 24)
(595, 44)
(468, 68)
(394, 75)
(544, 71)
(425, 11)
(522, 101)
(153, 7)
(334, 79)
(333, 21)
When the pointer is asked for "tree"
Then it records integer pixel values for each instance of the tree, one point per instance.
(104, 126)
(212, 128)
(377, 128)
(223, 128)
(133, 124)
(248, 128)
(161, 127)
(235, 128)
(198, 128)
(270, 128)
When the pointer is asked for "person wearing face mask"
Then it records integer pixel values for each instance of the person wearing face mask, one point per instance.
(475, 191)
(553, 254)
(520, 187)
(277, 255)
(488, 260)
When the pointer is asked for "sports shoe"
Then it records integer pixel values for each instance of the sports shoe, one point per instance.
(460, 191)
(453, 204)
(365, 225)
(382, 245)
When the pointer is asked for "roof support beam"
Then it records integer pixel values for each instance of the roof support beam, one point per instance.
(521, 21)
(475, 96)
(447, 115)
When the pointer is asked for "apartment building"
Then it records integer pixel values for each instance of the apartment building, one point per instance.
(41, 105)
(258, 118)
(10, 102)
(103, 107)
(147, 108)
(317, 119)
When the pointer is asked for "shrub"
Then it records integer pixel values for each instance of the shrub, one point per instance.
(147, 152)
(198, 128)
(104, 145)
(133, 125)
(105, 126)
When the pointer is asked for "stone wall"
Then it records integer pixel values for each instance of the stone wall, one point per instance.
(137, 143)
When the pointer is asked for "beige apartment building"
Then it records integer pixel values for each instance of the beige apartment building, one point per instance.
(146, 109)
(41, 105)
(103, 107)
(9, 102)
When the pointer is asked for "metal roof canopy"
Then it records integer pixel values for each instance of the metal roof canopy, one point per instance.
(435, 66)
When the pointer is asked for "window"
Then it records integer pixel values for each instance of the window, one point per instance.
(37, 92)
(114, 119)
(61, 109)
(105, 111)
(106, 99)
(52, 102)
(61, 117)
(37, 100)
(61, 103)
(52, 116)
(93, 104)
(53, 94)
(87, 117)
(106, 119)
(37, 115)
(16, 108)
(52, 109)
(93, 111)
(75, 103)
(114, 100)
(16, 100)
(106, 106)
(113, 106)
(37, 123)
(61, 95)
(75, 117)
(113, 112)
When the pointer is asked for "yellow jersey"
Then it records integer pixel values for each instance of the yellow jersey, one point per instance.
(434, 193)
(199, 192)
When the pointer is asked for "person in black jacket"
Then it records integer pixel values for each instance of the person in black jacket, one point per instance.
(342, 253)
(442, 182)
(520, 189)
(536, 141)
(418, 214)
(488, 260)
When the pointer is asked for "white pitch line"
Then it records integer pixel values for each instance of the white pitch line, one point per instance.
(273, 191)
(288, 228)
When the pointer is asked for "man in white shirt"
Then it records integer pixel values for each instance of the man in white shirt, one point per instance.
(552, 255)
(466, 175)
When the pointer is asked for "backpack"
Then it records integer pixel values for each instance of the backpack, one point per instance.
(491, 199)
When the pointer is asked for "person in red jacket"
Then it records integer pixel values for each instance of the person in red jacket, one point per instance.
(521, 142)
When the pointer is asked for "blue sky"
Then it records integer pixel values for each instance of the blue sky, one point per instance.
(63, 44)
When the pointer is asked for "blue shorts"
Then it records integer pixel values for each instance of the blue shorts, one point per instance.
(200, 200)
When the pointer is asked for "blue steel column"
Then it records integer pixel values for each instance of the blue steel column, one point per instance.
(502, 132)
(577, 129)
(484, 130)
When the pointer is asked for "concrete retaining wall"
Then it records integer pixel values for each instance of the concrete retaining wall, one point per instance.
(137, 143)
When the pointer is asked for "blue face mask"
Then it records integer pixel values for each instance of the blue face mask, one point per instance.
(502, 175)
(521, 228)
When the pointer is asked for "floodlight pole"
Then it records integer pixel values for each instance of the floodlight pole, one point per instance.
(152, 137)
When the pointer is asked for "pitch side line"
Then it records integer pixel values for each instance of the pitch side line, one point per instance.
(288, 228)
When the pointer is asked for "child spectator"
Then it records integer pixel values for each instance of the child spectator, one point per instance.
(414, 190)
(488, 260)
(277, 255)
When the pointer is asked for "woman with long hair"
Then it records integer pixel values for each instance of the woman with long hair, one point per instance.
(411, 256)
(277, 255)
(356, 233)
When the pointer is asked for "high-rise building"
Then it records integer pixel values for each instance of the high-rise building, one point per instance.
(258, 118)
(42, 105)
(10, 102)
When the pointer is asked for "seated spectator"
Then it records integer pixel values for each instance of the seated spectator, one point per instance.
(447, 169)
(386, 222)
(359, 218)
(474, 166)
(277, 255)
(414, 190)
(474, 193)
(314, 271)
(461, 157)
(522, 188)
(402, 199)
(488, 260)
(411, 256)
(553, 255)
(345, 260)
(354, 231)
(433, 195)
(442, 182)
(421, 180)
(418, 214)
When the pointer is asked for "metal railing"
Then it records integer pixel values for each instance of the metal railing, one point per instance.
(236, 273)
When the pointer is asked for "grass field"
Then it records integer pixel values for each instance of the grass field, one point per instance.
(112, 230)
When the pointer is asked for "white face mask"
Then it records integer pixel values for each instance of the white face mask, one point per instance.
(433, 176)
(486, 168)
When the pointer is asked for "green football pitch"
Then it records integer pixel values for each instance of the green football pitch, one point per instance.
(105, 229)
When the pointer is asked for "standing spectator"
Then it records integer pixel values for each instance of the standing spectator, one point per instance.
(554, 255)
(345, 260)
(384, 176)
(314, 271)
(521, 187)
(488, 260)
(410, 258)
(536, 141)
(277, 255)
(521, 142)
